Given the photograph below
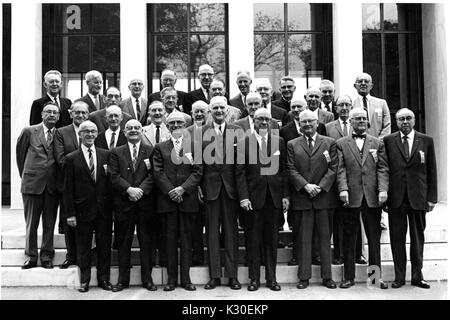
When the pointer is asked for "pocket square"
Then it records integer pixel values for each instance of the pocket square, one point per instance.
(105, 166)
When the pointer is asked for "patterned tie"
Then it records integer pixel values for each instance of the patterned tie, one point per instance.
(91, 164)
(310, 143)
(264, 146)
(158, 133)
(345, 129)
(113, 141)
(220, 130)
(177, 147)
(406, 146)
(49, 137)
(138, 109)
(134, 157)
(96, 103)
(365, 102)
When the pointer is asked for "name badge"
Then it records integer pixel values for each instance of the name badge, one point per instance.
(422, 156)
(276, 153)
(373, 152)
(147, 164)
(327, 156)
(105, 166)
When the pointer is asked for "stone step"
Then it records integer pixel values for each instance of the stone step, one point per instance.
(16, 277)
(16, 239)
(16, 257)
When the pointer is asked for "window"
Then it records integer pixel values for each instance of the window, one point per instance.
(392, 55)
(78, 38)
(293, 39)
(182, 37)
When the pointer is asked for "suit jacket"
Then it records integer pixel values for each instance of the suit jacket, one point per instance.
(362, 174)
(279, 114)
(38, 105)
(101, 142)
(193, 96)
(289, 131)
(379, 116)
(283, 104)
(99, 118)
(35, 161)
(253, 182)
(318, 167)
(101, 99)
(65, 142)
(182, 99)
(216, 173)
(169, 175)
(416, 176)
(237, 103)
(334, 129)
(123, 177)
(149, 135)
(325, 116)
(127, 106)
(332, 108)
(84, 197)
(244, 123)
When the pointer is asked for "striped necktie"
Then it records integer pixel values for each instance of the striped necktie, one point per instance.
(91, 164)
(134, 157)
(113, 140)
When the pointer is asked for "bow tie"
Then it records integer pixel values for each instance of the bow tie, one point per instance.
(361, 136)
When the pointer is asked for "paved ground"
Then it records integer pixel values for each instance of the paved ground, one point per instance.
(288, 292)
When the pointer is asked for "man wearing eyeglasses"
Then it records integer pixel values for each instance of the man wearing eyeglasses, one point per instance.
(37, 168)
(287, 89)
(206, 76)
(136, 105)
(412, 193)
(327, 89)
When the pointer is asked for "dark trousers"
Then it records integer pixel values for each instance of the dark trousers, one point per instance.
(35, 205)
(84, 232)
(371, 220)
(161, 238)
(179, 227)
(316, 239)
(146, 236)
(221, 216)
(69, 233)
(305, 221)
(398, 225)
(263, 236)
(198, 246)
(338, 232)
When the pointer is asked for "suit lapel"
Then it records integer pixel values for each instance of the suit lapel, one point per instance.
(397, 139)
(84, 163)
(304, 145)
(354, 149)
(317, 144)
(128, 156)
(131, 109)
(337, 124)
(366, 147)
(74, 137)
(141, 154)
(41, 134)
(99, 166)
(415, 145)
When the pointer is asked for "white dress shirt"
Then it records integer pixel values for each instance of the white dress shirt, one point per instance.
(55, 99)
(130, 146)
(252, 124)
(216, 128)
(108, 135)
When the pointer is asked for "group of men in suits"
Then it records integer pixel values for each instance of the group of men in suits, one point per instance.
(134, 162)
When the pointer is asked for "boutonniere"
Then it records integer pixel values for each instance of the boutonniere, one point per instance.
(374, 154)
(147, 164)
(105, 166)
(327, 156)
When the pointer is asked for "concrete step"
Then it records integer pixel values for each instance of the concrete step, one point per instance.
(16, 257)
(16, 277)
(15, 239)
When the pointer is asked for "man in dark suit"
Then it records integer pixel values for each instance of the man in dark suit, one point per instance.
(312, 166)
(170, 101)
(217, 88)
(94, 98)
(53, 84)
(136, 106)
(264, 195)
(177, 178)
(220, 195)
(412, 193)
(205, 75)
(168, 79)
(243, 80)
(113, 97)
(37, 168)
(132, 182)
(66, 141)
(265, 90)
(88, 205)
(313, 98)
(327, 89)
(362, 181)
(287, 89)
(113, 136)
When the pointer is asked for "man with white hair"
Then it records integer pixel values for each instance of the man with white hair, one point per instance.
(156, 131)
(136, 105)
(88, 203)
(362, 182)
(313, 97)
(243, 80)
(113, 136)
(327, 89)
(53, 84)
(287, 89)
(264, 88)
(94, 98)
(168, 79)
(312, 165)
(206, 76)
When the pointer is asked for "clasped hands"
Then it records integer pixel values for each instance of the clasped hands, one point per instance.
(312, 189)
(135, 194)
(176, 194)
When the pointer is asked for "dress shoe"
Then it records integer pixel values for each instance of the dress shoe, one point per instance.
(29, 264)
(253, 286)
(303, 284)
(316, 261)
(119, 287)
(105, 285)
(329, 283)
(84, 287)
(273, 285)
(234, 284)
(66, 264)
(361, 260)
(170, 287)
(383, 285)
(212, 284)
(150, 286)
(397, 284)
(338, 261)
(293, 262)
(421, 284)
(347, 284)
(188, 287)
(47, 264)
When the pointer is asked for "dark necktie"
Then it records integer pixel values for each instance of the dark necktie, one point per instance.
(91, 164)
(113, 141)
(327, 106)
(49, 137)
(310, 143)
(406, 146)
(138, 109)
(345, 129)
(134, 160)
(158, 134)
(56, 101)
(365, 102)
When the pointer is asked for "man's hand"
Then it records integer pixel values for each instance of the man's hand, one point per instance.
(200, 195)
(382, 197)
(430, 206)
(312, 189)
(176, 192)
(72, 221)
(246, 205)
(134, 194)
(285, 204)
(343, 195)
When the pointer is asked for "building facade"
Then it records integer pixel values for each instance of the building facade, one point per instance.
(403, 47)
